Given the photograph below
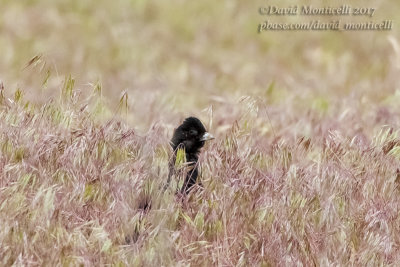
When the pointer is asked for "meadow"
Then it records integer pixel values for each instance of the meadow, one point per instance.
(304, 169)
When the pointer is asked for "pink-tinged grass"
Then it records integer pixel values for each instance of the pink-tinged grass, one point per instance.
(74, 189)
(304, 170)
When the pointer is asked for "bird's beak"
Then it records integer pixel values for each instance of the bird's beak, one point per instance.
(207, 136)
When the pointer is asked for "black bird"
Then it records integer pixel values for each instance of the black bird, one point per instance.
(190, 136)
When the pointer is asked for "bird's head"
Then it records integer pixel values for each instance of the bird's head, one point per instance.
(191, 134)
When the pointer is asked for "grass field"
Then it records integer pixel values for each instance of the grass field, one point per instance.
(304, 170)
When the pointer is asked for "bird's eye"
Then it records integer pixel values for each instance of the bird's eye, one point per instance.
(193, 132)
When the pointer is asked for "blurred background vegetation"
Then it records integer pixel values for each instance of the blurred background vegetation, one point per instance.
(178, 58)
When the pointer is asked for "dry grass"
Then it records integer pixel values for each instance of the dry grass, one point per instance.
(304, 169)
(71, 188)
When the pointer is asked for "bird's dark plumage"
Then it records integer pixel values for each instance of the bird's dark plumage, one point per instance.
(190, 136)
